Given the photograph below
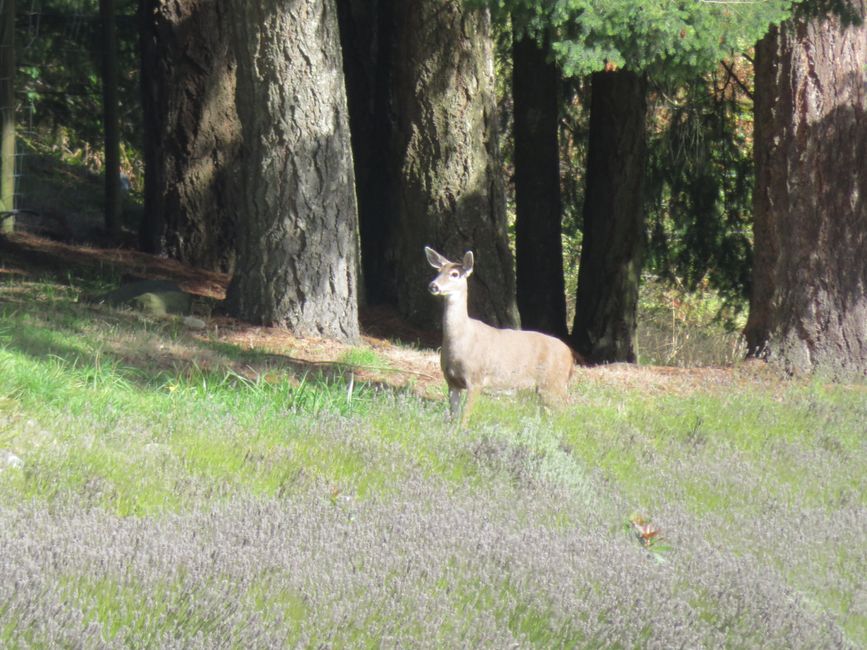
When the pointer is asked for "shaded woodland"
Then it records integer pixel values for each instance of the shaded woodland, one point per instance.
(312, 148)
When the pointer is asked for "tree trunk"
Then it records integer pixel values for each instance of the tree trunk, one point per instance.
(613, 245)
(366, 35)
(192, 132)
(110, 118)
(538, 245)
(449, 187)
(808, 307)
(297, 237)
(7, 128)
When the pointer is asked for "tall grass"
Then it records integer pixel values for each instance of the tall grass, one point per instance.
(180, 492)
(686, 329)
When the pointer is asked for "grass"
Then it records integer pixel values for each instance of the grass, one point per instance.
(181, 490)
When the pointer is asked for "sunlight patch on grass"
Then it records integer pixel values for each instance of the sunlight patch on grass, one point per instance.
(363, 358)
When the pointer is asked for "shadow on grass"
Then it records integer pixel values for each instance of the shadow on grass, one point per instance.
(31, 256)
(153, 353)
(94, 270)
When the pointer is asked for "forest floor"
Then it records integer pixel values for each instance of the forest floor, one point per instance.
(236, 486)
(402, 353)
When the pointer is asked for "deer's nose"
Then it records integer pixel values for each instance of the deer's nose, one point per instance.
(433, 287)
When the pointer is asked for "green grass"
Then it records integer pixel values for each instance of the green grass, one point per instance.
(620, 435)
(137, 419)
(363, 358)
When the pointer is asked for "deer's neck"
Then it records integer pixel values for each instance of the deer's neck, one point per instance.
(455, 317)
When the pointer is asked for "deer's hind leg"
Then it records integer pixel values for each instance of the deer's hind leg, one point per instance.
(468, 406)
(552, 396)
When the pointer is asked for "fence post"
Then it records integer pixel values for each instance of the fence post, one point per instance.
(7, 115)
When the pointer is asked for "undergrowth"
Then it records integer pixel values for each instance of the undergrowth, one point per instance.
(684, 328)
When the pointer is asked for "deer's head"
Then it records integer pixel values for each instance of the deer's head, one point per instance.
(452, 277)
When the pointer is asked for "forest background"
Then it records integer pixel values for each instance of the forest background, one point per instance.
(458, 130)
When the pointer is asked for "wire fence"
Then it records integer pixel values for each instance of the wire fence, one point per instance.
(46, 35)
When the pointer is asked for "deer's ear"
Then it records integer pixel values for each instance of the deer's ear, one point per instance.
(468, 263)
(435, 259)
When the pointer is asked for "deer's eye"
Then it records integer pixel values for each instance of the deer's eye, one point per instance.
(454, 274)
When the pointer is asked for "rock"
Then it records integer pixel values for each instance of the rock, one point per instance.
(8, 459)
(154, 297)
(163, 303)
(194, 323)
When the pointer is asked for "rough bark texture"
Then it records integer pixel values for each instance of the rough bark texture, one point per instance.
(297, 238)
(538, 244)
(192, 132)
(613, 245)
(808, 308)
(366, 34)
(449, 188)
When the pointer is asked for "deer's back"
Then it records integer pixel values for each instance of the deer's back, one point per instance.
(486, 357)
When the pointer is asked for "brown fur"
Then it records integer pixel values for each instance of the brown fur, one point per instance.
(476, 356)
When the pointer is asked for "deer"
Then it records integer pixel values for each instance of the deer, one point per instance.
(475, 356)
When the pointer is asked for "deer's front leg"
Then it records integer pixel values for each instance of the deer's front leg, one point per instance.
(454, 402)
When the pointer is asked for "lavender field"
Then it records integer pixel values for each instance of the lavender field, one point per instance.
(160, 489)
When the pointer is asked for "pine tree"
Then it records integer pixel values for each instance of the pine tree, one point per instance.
(420, 74)
(297, 228)
(808, 309)
(192, 134)
(623, 44)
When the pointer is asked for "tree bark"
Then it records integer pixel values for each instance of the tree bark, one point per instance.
(541, 291)
(192, 132)
(613, 244)
(297, 238)
(110, 118)
(808, 307)
(449, 188)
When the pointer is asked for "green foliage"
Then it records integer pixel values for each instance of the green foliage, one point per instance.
(574, 130)
(667, 39)
(59, 50)
(687, 327)
(700, 170)
(699, 185)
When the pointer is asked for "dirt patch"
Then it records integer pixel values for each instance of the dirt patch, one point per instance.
(28, 254)
(668, 380)
(415, 367)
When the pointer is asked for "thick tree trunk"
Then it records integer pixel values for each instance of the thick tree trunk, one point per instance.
(808, 308)
(538, 244)
(110, 117)
(366, 35)
(297, 238)
(192, 132)
(449, 187)
(613, 245)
